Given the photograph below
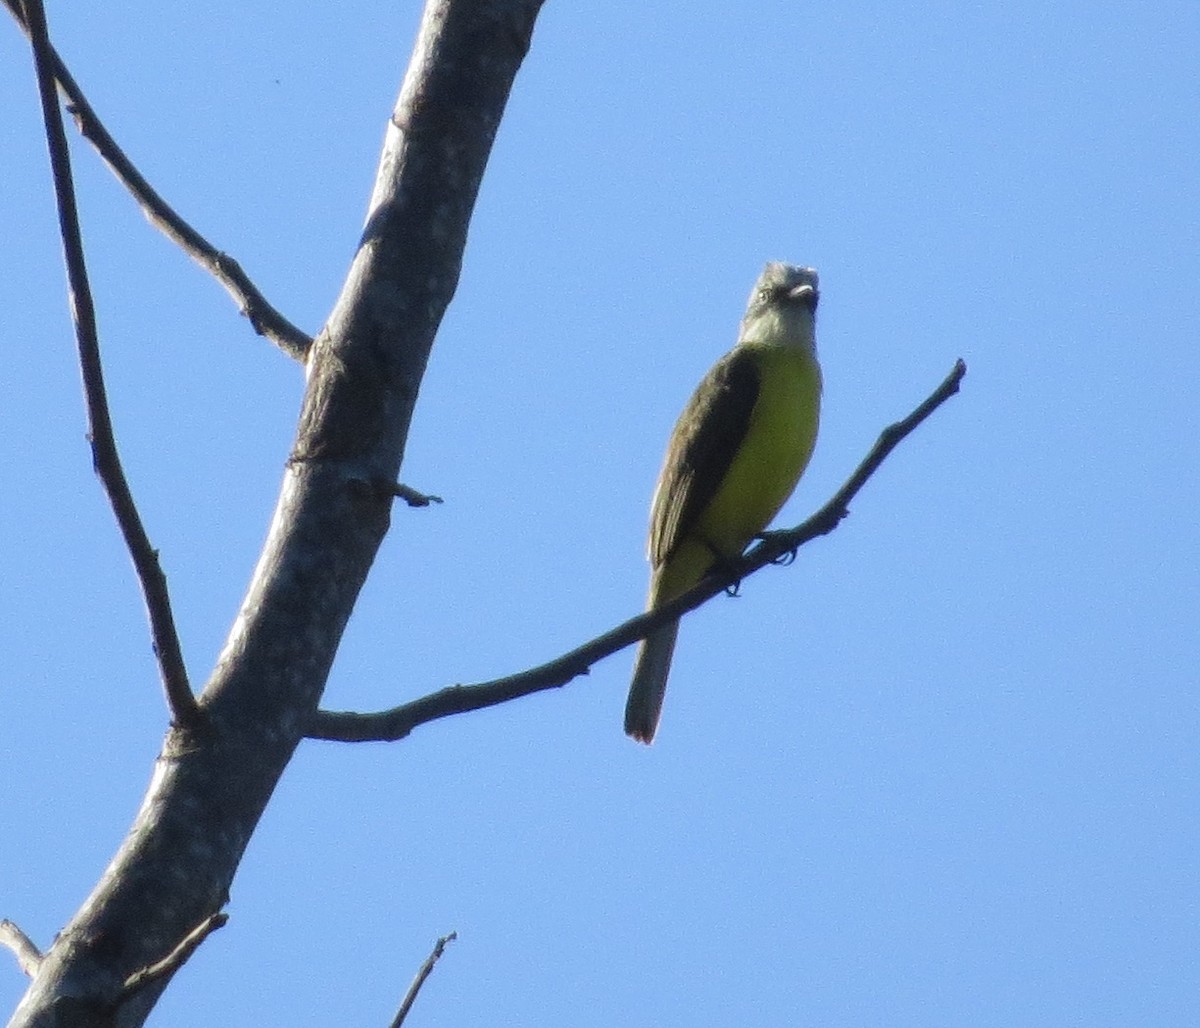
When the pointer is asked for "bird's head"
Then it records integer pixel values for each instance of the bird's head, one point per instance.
(783, 306)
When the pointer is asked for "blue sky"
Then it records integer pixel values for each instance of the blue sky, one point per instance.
(943, 770)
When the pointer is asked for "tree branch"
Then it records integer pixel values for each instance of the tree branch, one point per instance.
(27, 954)
(105, 458)
(264, 318)
(174, 960)
(209, 789)
(409, 495)
(397, 722)
(424, 972)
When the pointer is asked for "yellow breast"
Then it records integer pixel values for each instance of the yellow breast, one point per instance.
(778, 444)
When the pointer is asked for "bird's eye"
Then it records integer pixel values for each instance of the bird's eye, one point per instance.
(764, 295)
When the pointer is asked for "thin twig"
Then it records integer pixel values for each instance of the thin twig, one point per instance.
(175, 959)
(410, 495)
(424, 972)
(29, 957)
(389, 725)
(105, 458)
(265, 319)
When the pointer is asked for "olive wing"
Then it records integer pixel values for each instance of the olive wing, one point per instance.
(705, 441)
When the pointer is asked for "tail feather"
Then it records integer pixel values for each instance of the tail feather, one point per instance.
(649, 685)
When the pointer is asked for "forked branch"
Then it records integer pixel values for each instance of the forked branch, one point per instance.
(105, 458)
(389, 725)
(208, 790)
(264, 318)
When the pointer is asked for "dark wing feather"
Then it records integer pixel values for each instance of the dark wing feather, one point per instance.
(706, 437)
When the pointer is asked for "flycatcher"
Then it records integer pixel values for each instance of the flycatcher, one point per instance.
(737, 452)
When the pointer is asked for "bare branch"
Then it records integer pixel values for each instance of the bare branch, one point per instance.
(105, 458)
(27, 954)
(410, 495)
(425, 970)
(174, 960)
(397, 722)
(209, 789)
(264, 318)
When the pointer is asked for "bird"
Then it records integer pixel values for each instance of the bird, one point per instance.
(736, 453)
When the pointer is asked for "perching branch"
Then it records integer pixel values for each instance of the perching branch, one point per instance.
(389, 725)
(776, 544)
(264, 318)
(27, 954)
(174, 960)
(107, 462)
(424, 972)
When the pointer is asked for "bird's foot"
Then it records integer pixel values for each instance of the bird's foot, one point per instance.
(785, 558)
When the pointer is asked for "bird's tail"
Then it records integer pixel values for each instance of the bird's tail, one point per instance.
(649, 686)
